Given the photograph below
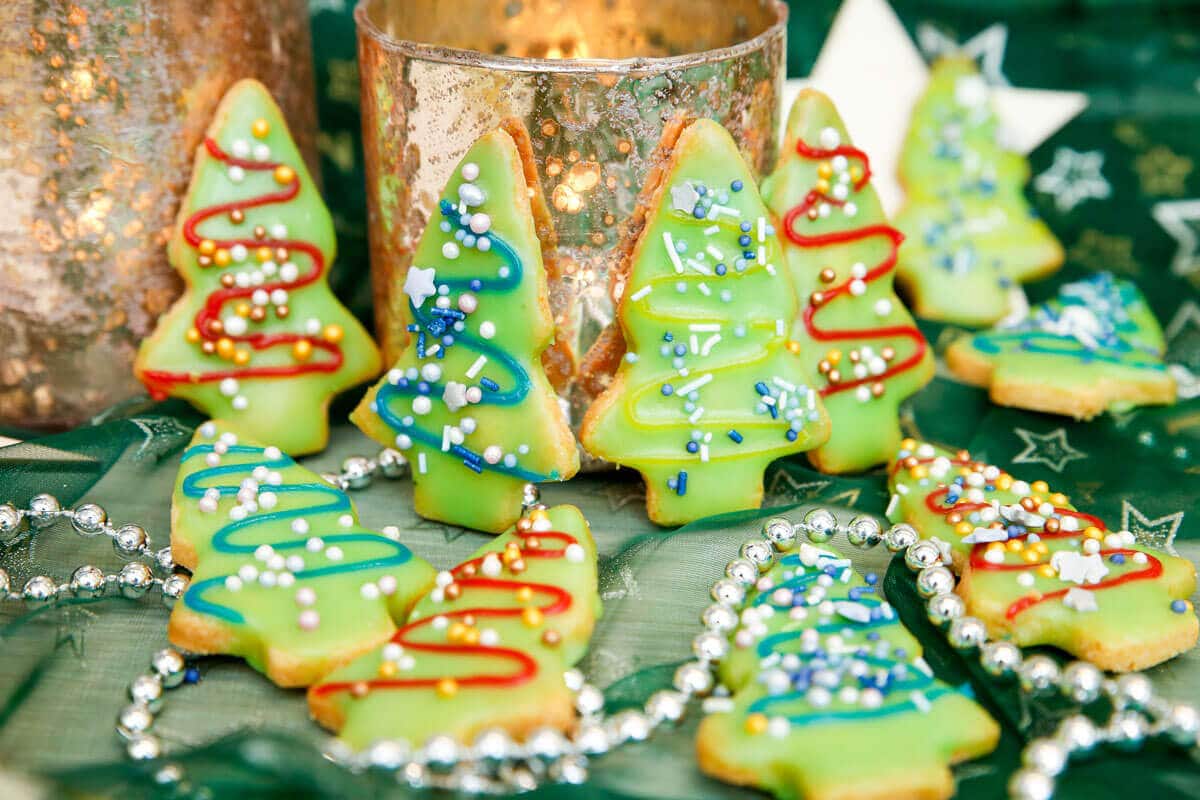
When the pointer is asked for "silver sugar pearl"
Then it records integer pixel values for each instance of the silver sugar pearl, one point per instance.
(441, 752)
(1000, 659)
(389, 754)
(133, 720)
(1183, 724)
(1127, 730)
(589, 700)
(967, 633)
(819, 525)
(1081, 682)
(530, 495)
(1077, 733)
(173, 588)
(710, 646)
(742, 571)
(1029, 784)
(39, 590)
(130, 539)
(719, 617)
(921, 555)
(545, 743)
(43, 510)
(88, 581)
(693, 678)
(864, 531)
(570, 770)
(147, 690)
(780, 532)
(1047, 756)
(145, 747)
(935, 580)
(10, 519)
(169, 665)
(666, 706)
(591, 738)
(1134, 690)
(945, 608)
(728, 591)
(758, 551)
(1038, 674)
(493, 744)
(392, 463)
(900, 537)
(89, 519)
(357, 471)
(135, 579)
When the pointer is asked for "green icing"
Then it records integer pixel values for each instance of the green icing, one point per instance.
(865, 430)
(288, 410)
(1133, 624)
(470, 459)
(707, 352)
(830, 695)
(298, 549)
(414, 713)
(971, 233)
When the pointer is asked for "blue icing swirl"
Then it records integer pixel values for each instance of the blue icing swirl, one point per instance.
(229, 539)
(427, 322)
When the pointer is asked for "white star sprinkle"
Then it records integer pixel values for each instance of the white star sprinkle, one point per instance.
(418, 284)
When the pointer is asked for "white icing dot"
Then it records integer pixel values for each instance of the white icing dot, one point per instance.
(207, 504)
(369, 591)
(492, 454)
(467, 303)
(830, 138)
(488, 637)
(474, 394)
(574, 553)
(240, 148)
(403, 441)
(268, 500)
(229, 387)
(421, 404)
(470, 171)
(300, 526)
(279, 297)
(240, 403)
(480, 223)
(313, 545)
(883, 307)
(208, 430)
(471, 195)
(850, 209)
(247, 572)
(334, 553)
(264, 552)
(261, 152)
(289, 271)
(268, 579)
(279, 230)
(233, 583)
(237, 513)
(387, 584)
(346, 521)
(491, 566)
(238, 253)
(487, 329)
(450, 250)
(857, 287)
(431, 372)
(237, 174)
(294, 563)
(444, 578)
(467, 425)
(286, 579)
(309, 619)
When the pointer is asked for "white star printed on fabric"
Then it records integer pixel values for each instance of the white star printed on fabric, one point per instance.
(1181, 219)
(163, 435)
(986, 47)
(873, 71)
(1156, 533)
(1074, 178)
(1050, 449)
(418, 284)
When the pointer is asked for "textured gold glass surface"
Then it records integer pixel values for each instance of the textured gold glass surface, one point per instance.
(102, 106)
(594, 82)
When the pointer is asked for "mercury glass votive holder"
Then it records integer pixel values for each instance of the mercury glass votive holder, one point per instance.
(594, 82)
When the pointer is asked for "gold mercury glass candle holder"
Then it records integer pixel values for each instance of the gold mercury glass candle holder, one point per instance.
(594, 81)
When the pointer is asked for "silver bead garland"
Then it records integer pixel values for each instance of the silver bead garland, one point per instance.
(1138, 713)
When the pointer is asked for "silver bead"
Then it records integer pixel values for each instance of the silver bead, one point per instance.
(389, 754)
(591, 738)
(719, 617)
(921, 555)
(1081, 682)
(10, 519)
(415, 775)
(135, 579)
(5, 582)
(130, 539)
(89, 519)
(935, 580)
(173, 588)
(88, 582)
(468, 780)
(392, 463)
(967, 633)
(133, 720)
(521, 780)
(1134, 690)
(43, 510)
(1127, 730)
(710, 646)
(945, 608)
(666, 706)
(819, 525)
(165, 559)
(169, 774)
(742, 571)
(147, 690)
(630, 725)
(1183, 724)
(900, 536)
(1000, 659)
(335, 480)
(1077, 733)
(493, 744)
(589, 700)
(864, 531)
(780, 532)
(1047, 756)
(530, 495)
(357, 471)
(1029, 784)
(441, 751)
(693, 678)
(545, 743)
(144, 748)
(338, 752)
(169, 665)
(1038, 673)
(728, 591)
(39, 590)
(759, 552)
(570, 770)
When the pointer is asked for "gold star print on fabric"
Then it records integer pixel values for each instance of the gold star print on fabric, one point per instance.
(1097, 250)
(1161, 171)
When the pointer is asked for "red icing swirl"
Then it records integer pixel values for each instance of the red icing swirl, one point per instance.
(811, 200)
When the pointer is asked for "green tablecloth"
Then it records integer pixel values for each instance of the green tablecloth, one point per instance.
(63, 672)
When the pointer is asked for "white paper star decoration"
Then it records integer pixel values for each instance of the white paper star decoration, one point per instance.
(1181, 219)
(874, 73)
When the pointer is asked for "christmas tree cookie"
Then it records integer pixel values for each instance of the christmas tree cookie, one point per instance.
(257, 337)
(1038, 571)
(831, 698)
(486, 649)
(1095, 346)
(854, 333)
(283, 574)
(468, 401)
(971, 236)
(711, 389)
